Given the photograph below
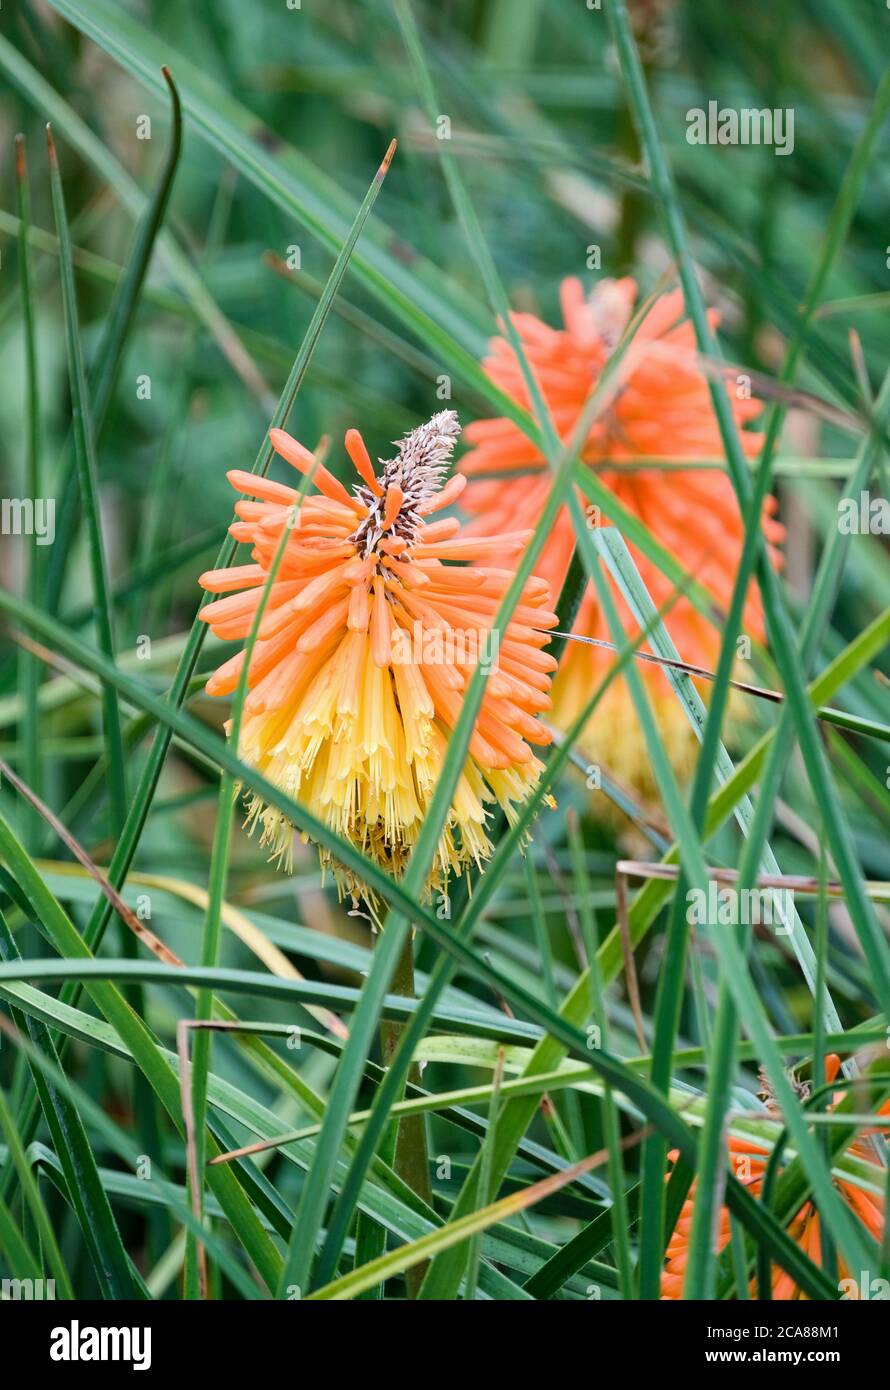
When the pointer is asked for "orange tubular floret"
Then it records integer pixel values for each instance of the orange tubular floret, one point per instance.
(394, 499)
(254, 485)
(393, 545)
(320, 588)
(228, 610)
(381, 626)
(449, 494)
(226, 581)
(225, 678)
(359, 611)
(451, 577)
(324, 626)
(478, 548)
(300, 458)
(441, 530)
(355, 448)
(406, 572)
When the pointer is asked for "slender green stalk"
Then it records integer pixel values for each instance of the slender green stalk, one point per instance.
(539, 924)
(19, 1254)
(407, 1147)
(370, 1236)
(829, 1255)
(486, 1191)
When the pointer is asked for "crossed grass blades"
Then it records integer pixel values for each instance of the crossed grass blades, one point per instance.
(528, 1081)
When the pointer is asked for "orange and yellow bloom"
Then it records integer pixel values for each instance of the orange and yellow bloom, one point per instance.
(661, 410)
(369, 638)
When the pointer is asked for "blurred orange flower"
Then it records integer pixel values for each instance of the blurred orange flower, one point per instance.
(749, 1163)
(661, 410)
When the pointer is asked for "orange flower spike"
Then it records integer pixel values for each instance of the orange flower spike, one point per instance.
(355, 682)
(662, 409)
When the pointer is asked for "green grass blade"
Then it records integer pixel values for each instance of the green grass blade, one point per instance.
(30, 668)
(89, 489)
(129, 289)
(117, 329)
(21, 1258)
(778, 624)
(727, 948)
